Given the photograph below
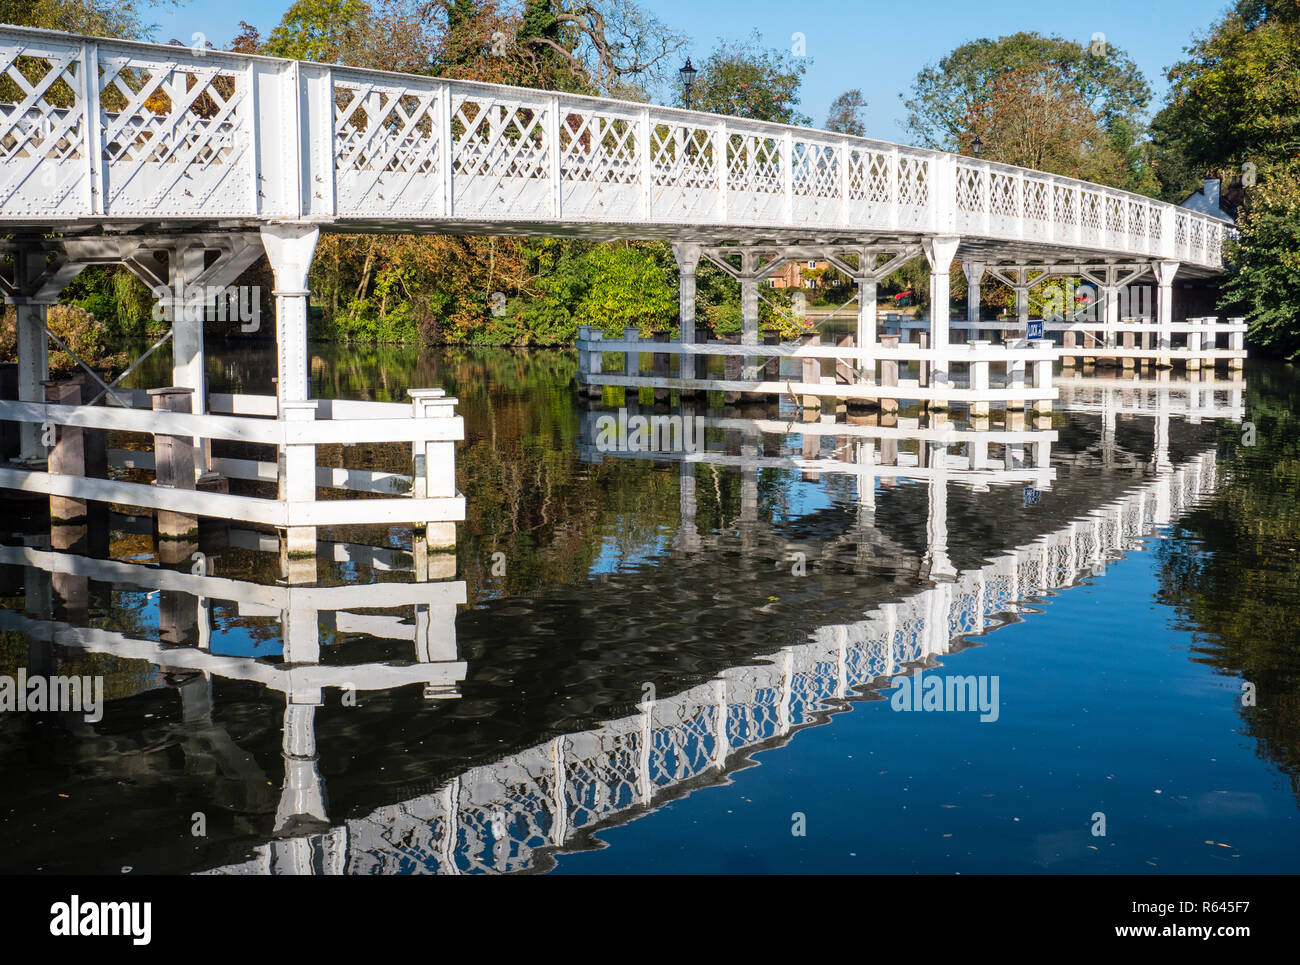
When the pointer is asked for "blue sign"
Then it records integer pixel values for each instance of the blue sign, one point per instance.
(1035, 329)
(1032, 496)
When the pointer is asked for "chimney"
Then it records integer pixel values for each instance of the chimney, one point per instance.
(1211, 190)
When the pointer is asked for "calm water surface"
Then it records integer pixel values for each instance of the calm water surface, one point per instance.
(658, 668)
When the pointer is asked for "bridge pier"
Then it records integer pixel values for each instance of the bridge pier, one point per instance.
(974, 272)
(688, 260)
(289, 249)
(31, 295)
(1164, 272)
(939, 252)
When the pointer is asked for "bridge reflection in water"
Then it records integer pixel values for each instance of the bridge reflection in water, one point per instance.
(508, 815)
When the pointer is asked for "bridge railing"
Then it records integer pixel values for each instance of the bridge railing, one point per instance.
(102, 128)
(426, 496)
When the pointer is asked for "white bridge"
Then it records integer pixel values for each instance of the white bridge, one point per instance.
(185, 164)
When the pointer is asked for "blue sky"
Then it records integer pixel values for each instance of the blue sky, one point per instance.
(870, 44)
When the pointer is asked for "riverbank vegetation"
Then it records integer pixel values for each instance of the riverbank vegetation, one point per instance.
(1070, 108)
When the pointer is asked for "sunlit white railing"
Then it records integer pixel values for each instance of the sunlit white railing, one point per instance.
(111, 129)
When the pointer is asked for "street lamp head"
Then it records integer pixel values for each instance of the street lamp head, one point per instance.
(687, 74)
(976, 145)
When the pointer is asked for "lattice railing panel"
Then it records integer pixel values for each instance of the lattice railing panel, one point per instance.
(387, 146)
(1004, 201)
(755, 179)
(500, 156)
(1137, 225)
(1065, 209)
(685, 171)
(602, 770)
(1114, 209)
(42, 132)
(175, 137)
(1037, 205)
(914, 188)
(970, 189)
(600, 165)
(816, 182)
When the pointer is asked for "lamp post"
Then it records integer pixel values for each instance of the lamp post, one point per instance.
(687, 75)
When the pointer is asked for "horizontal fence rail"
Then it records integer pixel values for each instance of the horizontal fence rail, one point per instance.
(103, 129)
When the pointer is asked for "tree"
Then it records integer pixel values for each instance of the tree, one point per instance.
(1234, 111)
(100, 18)
(944, 94)
(619, 48)
(329, 31)
(744, 80)
(1234, 100)
(1265, 263)
(247, 41)
(845, 115)
(1033, 118)
(628, 287)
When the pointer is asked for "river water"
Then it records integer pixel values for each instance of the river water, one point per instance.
(663, 665)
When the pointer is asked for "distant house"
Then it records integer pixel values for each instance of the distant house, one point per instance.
(792, 275)
(1208, 199)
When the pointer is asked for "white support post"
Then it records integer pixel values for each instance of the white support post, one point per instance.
(1043, 375)
(979, 378)
(174, 463)
(1164, 272)
(940, 252)
(749, 318)
(184, 309)
(688, 260)
(974, 271)
(584, 334)
(937, 566)
(289, 248)
(33, 346)
(721, 746)
(1236, 342)
(302, 798)
(595, 362)
(298, 478)
(436, 479)
(867, 285)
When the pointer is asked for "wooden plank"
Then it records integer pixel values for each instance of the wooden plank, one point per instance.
(837, 391)
(238, 429)
(269, 512)
(795, 350)
(277, 598)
